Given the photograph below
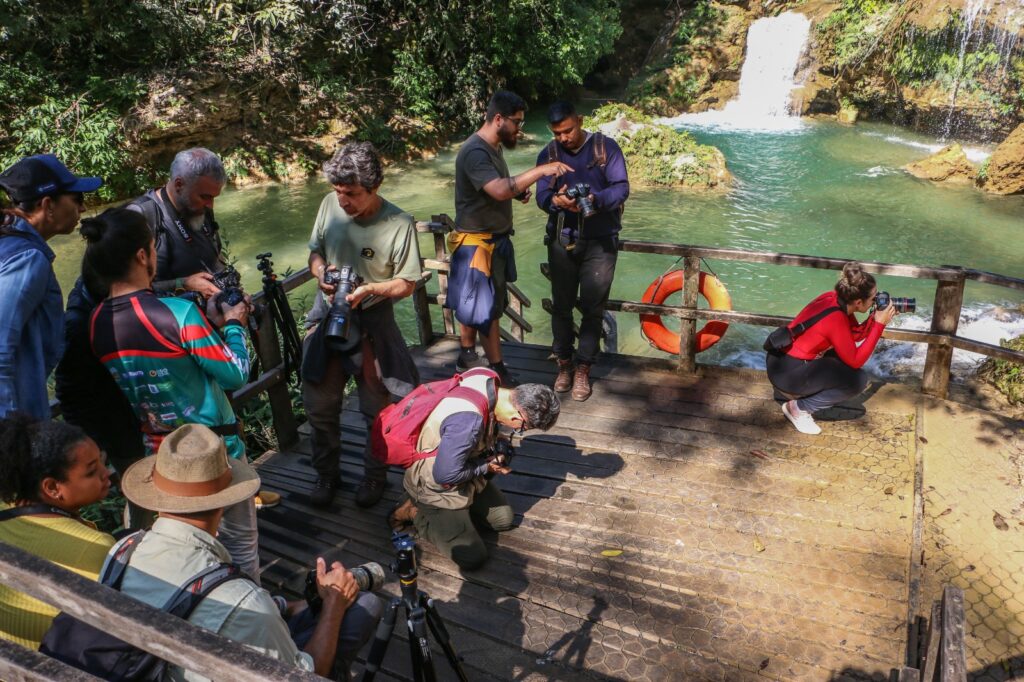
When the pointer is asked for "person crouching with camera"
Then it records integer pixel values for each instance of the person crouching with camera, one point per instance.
(365, 255)
(452, 451)
(819, 362)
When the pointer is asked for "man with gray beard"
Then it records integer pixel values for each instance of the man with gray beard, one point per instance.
(188, 244)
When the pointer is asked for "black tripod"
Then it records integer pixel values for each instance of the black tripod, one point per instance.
(420, 614)
(280, 309)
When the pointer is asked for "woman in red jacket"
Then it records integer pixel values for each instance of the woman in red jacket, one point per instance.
(823, 366)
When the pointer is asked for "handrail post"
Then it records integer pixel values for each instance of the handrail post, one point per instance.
(949, 299)
(688, 326)
(442, 277)
(269, 351)
(517, 306)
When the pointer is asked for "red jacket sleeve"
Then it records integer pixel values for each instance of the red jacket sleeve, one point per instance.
(844, 337)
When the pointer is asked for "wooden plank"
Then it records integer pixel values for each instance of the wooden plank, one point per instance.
(141, 625)
(441, 258)
(929, 664)
(688, 326)
(268, 350)
(516, 292)
(953, 654)
(949, 299)
(987, 349)
(18, 664)
(424, 323)
(518, 321)
(289, 283)
(265, 381)
(996, 279)
(908, 674)
(687, 250)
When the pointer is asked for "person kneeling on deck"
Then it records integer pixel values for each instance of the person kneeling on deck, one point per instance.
(360, 234)
(190, 482)
(445, 433)
(815, 361)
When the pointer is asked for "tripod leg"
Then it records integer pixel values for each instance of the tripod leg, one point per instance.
(381, 640)
(444, 640)
(422, 658)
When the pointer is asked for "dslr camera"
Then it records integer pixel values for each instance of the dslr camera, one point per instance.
(902, 305)
(339, 332)
(230, 284)
(369, 577)
(581, 193)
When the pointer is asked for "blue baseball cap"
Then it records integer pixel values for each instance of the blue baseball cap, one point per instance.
(43, 175)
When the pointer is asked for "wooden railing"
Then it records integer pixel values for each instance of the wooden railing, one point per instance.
(944, 657)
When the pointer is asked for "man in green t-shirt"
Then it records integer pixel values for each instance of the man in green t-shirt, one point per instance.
(357, 228)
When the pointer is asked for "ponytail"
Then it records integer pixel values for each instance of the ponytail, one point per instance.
(114, 237)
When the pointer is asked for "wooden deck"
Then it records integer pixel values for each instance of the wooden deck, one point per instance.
(670, 528)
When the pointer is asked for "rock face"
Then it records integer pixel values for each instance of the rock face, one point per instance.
(658, 155)
(1004, 171)
(949, 164)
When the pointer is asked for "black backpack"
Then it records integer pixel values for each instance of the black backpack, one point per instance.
(87, 648)
(781, 339)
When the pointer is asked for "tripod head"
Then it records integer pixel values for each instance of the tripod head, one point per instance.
(266, 266)
(405, 559)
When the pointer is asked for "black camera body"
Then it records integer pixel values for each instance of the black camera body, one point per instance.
(503, 452)
(902, 305)
(581, 193)
(230, 284)
(339, 330)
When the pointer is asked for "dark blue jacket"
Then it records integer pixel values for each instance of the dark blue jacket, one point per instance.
(610, 187)
(31, 320)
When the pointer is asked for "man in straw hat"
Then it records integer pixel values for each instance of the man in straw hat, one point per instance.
(189, 482)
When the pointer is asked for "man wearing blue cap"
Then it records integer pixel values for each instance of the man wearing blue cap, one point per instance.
(46, 199)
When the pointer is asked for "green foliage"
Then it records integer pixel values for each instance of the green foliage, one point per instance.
(983, 171)
(1006, 376)
(607, 113)
(697, 27)
(402, 71)
(660, 155)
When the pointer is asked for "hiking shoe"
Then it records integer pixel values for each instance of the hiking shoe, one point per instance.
(803, 421)
(468, 359)
(266, 499)
(369, 492)
(402, 515)
(563, 382)
(507, 378)
(324, 490)
(581, 382)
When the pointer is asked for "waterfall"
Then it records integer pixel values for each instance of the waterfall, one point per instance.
(774, 46)
(973, 10)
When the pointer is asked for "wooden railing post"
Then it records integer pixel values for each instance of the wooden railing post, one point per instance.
(442, 277)
(268, 349)
(953, 652)
(424, 325)
(949, 299)
(688, 326)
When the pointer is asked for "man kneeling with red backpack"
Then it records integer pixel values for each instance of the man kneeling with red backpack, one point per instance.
(445, 435)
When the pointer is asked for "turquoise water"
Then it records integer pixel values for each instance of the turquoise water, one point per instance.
(825, 190)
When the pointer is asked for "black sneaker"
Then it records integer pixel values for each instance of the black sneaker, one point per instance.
(468, 359)
(369, 492)
(508, 379)
(324, 490)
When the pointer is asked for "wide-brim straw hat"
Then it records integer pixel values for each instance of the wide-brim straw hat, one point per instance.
(191, 472)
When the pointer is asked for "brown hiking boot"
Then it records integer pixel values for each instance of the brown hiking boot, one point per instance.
(563, 382)
(402, 515)
(581, 382)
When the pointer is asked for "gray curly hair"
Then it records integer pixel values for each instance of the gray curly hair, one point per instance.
(355, 163)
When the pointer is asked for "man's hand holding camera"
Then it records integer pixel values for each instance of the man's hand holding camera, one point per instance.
(336, 587)
(220, 315)
(201, 282)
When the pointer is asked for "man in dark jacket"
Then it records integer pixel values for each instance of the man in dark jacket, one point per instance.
(582, 249)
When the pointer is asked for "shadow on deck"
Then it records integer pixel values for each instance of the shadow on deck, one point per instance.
(670, 528)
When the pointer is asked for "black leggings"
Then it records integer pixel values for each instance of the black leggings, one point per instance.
(815, 384)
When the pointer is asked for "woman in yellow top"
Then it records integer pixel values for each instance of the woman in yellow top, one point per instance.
(48, 471)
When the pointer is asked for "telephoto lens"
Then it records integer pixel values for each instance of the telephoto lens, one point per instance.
(901, 304)
(369, 577)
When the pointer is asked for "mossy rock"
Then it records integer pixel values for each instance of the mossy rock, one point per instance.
(1006, 376)
(659, 155)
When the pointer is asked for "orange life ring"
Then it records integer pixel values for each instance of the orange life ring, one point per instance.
(711, 288)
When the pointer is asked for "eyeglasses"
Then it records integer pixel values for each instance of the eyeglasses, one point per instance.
(517, 121)
(523, 424)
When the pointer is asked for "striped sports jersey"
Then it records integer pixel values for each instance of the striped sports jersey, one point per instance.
(170, 362)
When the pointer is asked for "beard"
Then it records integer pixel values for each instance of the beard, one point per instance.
(508, 140)
(195, 221)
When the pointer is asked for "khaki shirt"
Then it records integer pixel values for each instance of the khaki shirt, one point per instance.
(380, 248)
(173, 552)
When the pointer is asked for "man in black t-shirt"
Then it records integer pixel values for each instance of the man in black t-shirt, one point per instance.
(188, 245)
(482, 256)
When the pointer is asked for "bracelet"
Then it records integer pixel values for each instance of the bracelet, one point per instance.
(179, 284)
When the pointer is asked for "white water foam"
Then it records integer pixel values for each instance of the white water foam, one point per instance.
(974, 154)
(879, 172)
(774, 46)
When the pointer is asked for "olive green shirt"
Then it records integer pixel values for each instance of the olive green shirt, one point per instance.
(380, 248)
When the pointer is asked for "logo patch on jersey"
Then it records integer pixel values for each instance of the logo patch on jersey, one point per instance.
(367, 253)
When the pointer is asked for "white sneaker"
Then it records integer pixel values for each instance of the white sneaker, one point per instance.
(803, 421)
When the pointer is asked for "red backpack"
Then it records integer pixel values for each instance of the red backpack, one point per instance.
(396, 430)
